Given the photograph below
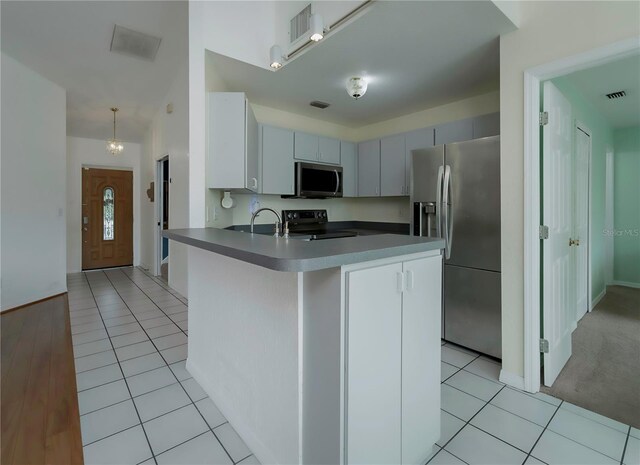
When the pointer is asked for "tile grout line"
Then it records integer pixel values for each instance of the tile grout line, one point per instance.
(543, 431)
(467, 422)
(128, 389)
(141, 290)
(126, 345)
(626, 442)
(174, 375)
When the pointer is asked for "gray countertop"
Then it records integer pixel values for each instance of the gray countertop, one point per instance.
(296, 255)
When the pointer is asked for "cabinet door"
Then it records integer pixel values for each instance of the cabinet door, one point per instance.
(392, 166)
(277, 161)
(306, 146)
(252, 160)
(226, 140)
(373, 366)
(369, 168)
(486, 125)
(456, 131)
(414, 140)
(348, 157)
(421, 314)
(329, 150)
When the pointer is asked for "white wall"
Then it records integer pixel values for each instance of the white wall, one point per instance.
(91, 153)
(168, 135)
(548, 31)
(32, 213)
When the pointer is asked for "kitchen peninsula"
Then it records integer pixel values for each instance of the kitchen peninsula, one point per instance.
(319, 351)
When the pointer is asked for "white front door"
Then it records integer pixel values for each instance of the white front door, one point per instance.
(581, 220)
(559, 310)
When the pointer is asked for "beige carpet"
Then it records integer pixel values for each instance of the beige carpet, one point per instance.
(603, 373)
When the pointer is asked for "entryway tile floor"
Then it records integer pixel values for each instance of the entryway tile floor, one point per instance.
(139, 404)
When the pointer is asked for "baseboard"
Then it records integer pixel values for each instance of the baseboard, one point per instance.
(626, 284)
(598, 298)
(512, 379)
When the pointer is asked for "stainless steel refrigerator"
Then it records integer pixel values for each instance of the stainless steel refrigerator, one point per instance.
(455, 194)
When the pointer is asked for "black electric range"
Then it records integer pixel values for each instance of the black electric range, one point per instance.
(312, 223)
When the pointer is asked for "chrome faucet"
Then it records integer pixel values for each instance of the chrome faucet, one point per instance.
(257, 212)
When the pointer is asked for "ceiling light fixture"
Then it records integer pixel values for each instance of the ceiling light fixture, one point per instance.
(277, 58)
(356, 87)
(317, 28)
(114, 146)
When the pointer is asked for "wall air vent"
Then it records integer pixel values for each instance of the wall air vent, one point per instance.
(135, 44)
(319, 104)
(300, 24)
(615, 95)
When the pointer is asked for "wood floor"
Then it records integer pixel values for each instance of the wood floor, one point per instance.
(39, 404)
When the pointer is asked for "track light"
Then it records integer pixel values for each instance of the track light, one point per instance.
(276, 57)
(317, 28)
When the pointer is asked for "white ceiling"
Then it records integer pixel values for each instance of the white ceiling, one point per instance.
(595, 83)
(416, 55)
(68, 43)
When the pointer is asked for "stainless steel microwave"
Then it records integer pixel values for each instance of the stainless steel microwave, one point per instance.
(315, 181)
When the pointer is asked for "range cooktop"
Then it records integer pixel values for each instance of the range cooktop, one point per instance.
(312, 223)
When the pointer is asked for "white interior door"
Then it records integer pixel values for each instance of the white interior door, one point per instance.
(559, 310)
(581, 220)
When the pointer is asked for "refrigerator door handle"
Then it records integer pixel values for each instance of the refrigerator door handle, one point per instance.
(439, 202)
(447, 211)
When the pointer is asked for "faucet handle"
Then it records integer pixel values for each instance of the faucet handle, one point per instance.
(285, 232)
(277, 231)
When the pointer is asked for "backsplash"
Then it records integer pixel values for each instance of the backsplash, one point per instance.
(382, 209)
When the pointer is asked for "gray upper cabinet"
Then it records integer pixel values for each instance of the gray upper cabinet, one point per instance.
(369, 168)
(329, 150)
(414, 140)
(348, 157)
(392, 166)
(306, 146)
(486, 125)
(277, 161)
(232, 149)
(455, 131)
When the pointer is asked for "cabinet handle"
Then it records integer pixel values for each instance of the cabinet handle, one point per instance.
(409, 279)
(255, 183)
(400, 281)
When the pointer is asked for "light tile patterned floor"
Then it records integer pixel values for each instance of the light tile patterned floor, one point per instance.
(138, 403)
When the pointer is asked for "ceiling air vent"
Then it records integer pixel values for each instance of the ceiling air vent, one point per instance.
(300, 24)
(319, 104)
(135, 44)
(615, 95)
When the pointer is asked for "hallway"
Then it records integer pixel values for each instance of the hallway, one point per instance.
(602, 374)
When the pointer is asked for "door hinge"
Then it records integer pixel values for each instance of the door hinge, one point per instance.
(544, 346)
(544, 118)
(543, 231)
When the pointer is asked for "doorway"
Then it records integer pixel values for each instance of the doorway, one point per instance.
(583, 328)
(107, 218)
(162, 253)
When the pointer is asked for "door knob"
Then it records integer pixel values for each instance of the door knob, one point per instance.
(85, 229)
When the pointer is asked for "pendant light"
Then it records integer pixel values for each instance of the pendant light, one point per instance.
(114, 146)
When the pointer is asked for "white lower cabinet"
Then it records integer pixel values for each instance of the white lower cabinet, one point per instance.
(392, 390)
